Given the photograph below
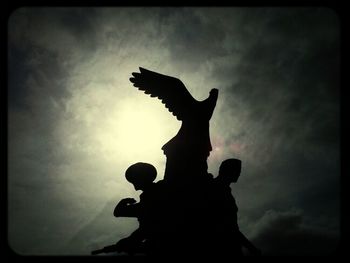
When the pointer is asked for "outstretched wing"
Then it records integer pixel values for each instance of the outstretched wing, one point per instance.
(171, 91)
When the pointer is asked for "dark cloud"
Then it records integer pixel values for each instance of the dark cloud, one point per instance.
(192, 37)
(285, 105)
(18, 89)
(289, 233)
(80, 22)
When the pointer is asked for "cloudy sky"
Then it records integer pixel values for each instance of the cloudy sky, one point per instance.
(75, 122)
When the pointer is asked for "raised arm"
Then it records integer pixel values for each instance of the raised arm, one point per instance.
(126, 207)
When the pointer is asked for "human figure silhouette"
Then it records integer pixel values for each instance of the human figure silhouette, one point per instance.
(227, 239)
(188, 150)
(143, 239)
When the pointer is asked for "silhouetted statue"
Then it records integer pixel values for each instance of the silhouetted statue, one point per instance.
(143, 239)
(188, 213)
(227, 239)
(188, 151)
(149, 211)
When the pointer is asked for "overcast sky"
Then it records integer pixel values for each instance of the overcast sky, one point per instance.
(75, 122)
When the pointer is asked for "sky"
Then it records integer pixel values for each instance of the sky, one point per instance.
(76, 123)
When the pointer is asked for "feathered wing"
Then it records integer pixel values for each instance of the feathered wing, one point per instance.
(171, 91)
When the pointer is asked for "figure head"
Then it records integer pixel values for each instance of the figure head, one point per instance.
(141, 175)
(230, 170)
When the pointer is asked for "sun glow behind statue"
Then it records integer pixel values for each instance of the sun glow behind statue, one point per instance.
(119, 126)
(143, 127)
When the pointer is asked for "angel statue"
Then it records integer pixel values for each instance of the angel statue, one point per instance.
(188, 150)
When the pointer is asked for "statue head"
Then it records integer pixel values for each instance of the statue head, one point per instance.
(230, 170)
(141, 175)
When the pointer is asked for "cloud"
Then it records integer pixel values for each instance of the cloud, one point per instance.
(61, 127)
(278, 111)
(101, 231)
(289, 233)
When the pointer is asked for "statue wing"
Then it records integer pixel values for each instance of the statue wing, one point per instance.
(171, 91)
